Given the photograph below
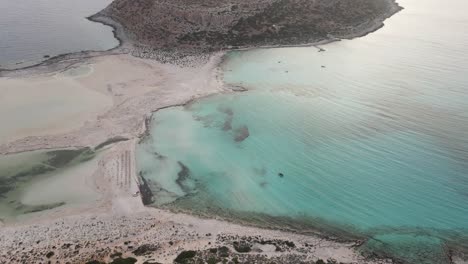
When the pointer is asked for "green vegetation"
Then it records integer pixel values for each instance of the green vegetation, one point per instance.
(184, 256)
(129, 260)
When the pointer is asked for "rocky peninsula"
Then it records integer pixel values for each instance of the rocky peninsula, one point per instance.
(209, 25)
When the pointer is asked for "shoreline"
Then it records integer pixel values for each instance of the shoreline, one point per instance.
(118, 34)
(79, 218)
(121, 35)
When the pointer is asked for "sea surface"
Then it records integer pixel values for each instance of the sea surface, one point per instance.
(365, 140)
(33, 29)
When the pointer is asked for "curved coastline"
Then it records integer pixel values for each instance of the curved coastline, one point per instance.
(117, 31)
(119, 34)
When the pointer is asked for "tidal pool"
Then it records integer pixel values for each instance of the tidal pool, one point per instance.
(36, 181)
(365, 140)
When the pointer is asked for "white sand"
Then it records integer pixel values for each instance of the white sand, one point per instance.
(93, 100)
(118, 222)
(72, 185)
(117, 216)
(46, 105)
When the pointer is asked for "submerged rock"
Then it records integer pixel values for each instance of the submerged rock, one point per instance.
(145, 190)
(241, 133)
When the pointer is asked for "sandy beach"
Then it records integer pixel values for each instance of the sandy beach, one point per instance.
(109, 95)
(122, 92)
(113, 96)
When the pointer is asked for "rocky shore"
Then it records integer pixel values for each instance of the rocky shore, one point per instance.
(157, 236)
(218, 25)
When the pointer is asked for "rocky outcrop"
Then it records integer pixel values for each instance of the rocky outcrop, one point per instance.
(220, 24)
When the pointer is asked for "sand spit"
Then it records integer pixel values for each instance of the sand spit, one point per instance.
(118, 225)
(121, 91)
(157, 236)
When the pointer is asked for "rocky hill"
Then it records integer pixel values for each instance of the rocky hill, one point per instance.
(219, 24)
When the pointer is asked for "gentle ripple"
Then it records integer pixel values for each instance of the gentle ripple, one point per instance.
(32, 29)
(374, 144)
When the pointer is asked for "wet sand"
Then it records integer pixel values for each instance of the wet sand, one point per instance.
(121, 92)
(136, 88)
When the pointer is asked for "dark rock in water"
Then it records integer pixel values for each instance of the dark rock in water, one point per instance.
(182, 176)
(228, 111)
(281, 175)
(159, 156)
(145, 249)
(242, 246)
(185, 255)
(146, 193)
(237, 88)
(241, 134)
(227, 124)
(46, 56)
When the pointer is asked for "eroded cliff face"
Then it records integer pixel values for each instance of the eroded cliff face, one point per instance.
(217, 24)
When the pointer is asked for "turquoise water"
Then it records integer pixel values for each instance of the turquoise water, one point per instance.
(367, 139)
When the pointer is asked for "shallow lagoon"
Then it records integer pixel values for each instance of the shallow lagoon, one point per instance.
(36, 181)
(365, 140)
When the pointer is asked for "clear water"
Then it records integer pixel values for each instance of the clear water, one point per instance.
(36, 181)
(32, 29)
(367, 139)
